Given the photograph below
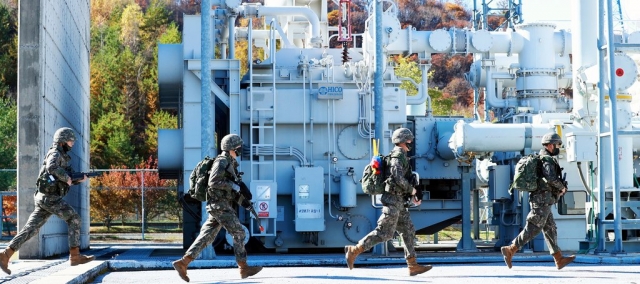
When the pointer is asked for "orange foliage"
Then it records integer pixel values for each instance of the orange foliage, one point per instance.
(9, 205)
(126, 187)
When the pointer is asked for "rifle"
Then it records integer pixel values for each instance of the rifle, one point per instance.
(80, 175)
(566, 185)
(245, 195)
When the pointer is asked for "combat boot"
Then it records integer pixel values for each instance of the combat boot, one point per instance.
(246, 270)
(180, 265)
(508, 252)
(562, 261)
(351, 252)
(415, 268)
(5, 255)
(76, 258)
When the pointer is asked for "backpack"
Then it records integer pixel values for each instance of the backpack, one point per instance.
(199, 179)
(527, 173)
(374, 175)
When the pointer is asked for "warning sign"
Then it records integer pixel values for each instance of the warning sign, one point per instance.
(263, 209)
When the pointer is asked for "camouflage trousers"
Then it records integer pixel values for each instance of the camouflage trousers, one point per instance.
(394, 218)
(539, 219)
(221, 214)
(45, 206)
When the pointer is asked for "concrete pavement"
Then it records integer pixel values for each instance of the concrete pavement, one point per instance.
(151, 263)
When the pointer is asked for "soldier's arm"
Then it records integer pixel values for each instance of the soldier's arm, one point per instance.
(551, 175)
(217, 177)
(396, 173)
(53, 167)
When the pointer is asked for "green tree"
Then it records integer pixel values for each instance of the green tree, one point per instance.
(130, 26)
(442, 104)
(110, 142)
(8, 149)
(160, 120)
(8, 49)
(408, 68)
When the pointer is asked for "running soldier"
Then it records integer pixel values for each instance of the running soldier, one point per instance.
(53, 184)
(395, 215)
(540, 218)
(221, 193)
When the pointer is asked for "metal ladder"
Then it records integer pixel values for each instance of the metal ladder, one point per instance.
(262, 121)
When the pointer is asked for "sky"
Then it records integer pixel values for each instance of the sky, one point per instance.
(559, 12)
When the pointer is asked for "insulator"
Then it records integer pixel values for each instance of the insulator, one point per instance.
(345, 53)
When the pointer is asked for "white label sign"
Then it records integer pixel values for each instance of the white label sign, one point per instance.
(309, 211)
(264, 192)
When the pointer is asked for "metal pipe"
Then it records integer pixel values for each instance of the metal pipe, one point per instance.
(207, 126)
(601, 125)
(377, 82)
(232, 36)
(308, 13)
(613, 122)
(490, 92)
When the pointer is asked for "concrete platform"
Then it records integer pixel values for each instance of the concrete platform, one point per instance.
(144, 259)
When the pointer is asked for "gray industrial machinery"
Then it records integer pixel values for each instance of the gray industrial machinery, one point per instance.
(306, 114)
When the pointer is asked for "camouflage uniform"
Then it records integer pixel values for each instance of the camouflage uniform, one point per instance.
(48, 200)
(220, 208)
(540, 217)
(221, 193)
(51, 188)
(395, 216)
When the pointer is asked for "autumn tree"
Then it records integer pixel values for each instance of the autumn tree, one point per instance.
(8, 49)
(8, 149)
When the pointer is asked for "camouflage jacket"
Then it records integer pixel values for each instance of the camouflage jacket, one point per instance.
(398, 185)
(53, 175)
(551, 183)
(221, 179)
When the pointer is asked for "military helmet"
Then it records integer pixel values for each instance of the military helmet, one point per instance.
(230, 142)
(63, 135)
(401, 135)
(551, 138)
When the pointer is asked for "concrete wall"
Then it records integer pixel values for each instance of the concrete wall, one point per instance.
(53, 92)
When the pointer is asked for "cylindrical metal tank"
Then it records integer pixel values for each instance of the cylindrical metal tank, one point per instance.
(348, 190)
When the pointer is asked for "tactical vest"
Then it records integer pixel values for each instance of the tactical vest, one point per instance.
(220, 194)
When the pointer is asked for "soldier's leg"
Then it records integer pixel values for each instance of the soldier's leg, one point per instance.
(65, 212)
(384, 230)
(229, 220)
(408, 233)
(535, 221)
(37, 218)
(56, 205)
(550, 231)
(207, 235)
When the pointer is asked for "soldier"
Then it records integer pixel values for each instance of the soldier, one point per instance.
(221, 192)
(52, 185)
(540, 218)
(395, 215)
